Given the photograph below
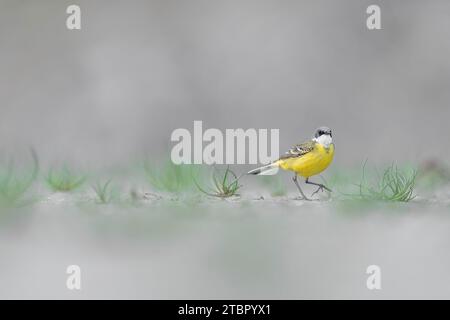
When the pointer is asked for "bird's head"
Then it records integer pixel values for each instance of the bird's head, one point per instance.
(323, 136)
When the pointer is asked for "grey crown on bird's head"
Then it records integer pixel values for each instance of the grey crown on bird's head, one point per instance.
(321, 131)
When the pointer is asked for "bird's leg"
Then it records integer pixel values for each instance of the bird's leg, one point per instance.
(298, 187)
(321, 186)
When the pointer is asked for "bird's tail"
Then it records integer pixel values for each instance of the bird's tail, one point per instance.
(267, 170)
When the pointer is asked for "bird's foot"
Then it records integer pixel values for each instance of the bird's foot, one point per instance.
(321, 188)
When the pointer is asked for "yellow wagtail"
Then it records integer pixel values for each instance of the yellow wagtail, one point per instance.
(306, 159)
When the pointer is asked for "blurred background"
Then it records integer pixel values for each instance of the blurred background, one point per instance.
(114, 91)
(137, 70)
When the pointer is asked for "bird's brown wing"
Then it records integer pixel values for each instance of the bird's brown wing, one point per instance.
(299, 150)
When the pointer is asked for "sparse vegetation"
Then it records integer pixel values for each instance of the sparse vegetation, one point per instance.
(392, 185)
(14, 186)
(104, 192)
(222, 187)
(63, 180)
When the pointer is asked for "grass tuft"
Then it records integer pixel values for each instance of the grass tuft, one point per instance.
(13, 186)
(104, 192)
(171, 177)
(63, 180)
(392, 185)
(222, 187)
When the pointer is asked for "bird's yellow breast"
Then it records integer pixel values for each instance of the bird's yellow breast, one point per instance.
(310, 164)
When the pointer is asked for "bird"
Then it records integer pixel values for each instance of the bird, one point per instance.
(306, 159)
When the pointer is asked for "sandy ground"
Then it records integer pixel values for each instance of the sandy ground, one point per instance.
(248, 247)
